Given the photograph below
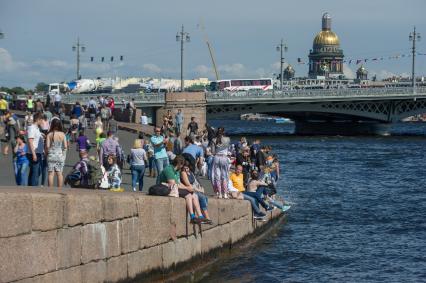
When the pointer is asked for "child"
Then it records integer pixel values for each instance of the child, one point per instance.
(83, 142)
(22, 162)
(74, 127)
(114, 174)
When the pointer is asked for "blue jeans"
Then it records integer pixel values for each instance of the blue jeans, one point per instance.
(138, 171)
(34, 175)
(43, 170)
(209, 165)
(160, 163)
(258, 198)
(203, 200)
(254, 204)
(22, 174)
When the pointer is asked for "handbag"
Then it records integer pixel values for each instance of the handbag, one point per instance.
(174, 191)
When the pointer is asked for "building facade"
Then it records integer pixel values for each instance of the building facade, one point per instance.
(326, 57)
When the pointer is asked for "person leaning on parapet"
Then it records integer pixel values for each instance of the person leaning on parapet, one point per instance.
(192, 128)
(171, 176)
(159, 142)
(179, 121)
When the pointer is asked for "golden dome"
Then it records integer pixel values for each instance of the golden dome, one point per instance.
(326, 37)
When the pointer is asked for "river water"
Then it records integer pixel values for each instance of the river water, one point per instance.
(359, 212)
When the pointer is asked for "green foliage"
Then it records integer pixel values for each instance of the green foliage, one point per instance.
(17, 89)
(198, 87)
(42, 87)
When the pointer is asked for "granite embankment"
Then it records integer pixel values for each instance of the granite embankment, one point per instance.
(75, 235)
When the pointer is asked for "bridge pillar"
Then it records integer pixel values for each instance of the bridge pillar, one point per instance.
(341, 128)
(193, 104)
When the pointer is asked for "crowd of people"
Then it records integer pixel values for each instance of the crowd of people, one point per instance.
(177, 156)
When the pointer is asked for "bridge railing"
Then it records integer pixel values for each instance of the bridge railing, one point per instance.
(148, 98)
(313, 93)
(159, 98)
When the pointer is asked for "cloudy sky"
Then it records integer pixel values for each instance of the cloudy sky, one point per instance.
(39, 35)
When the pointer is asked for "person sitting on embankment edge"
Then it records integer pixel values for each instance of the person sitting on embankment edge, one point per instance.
(237, 191)
(171, 176)
(187, 177)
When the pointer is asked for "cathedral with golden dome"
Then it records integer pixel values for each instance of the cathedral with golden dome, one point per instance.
(326, 57)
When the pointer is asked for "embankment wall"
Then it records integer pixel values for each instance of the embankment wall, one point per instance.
(72, 235)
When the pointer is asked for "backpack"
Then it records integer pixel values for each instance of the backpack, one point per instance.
(159, 190)
(95, 173)
(73, 178)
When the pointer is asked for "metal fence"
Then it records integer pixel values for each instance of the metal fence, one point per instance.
(148, 98)
(314, 93)
(159, 98)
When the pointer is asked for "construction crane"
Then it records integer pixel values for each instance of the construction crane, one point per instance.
(206, 39)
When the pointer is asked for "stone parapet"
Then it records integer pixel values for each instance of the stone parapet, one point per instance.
(72, 235)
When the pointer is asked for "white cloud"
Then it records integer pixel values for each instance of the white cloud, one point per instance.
(236, 70)
(7, 64)
(203, 70)
(347, 71)
(59, 64)
(151, 68)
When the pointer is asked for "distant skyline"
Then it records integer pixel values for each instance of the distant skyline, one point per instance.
(39, 36)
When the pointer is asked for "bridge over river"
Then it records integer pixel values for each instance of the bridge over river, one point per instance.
(322, 111)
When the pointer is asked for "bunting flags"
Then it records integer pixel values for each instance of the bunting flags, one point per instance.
(359, 61)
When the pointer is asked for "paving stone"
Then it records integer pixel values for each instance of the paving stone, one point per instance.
(179, 218)
(94, 272)
(83, 208)
(69, 247)
(239, 229)
(116, 268)
(211, 240)
(47, 211)
(118, 206)
(70, 275)
(129, 234)
(213, 209)
(154, 220)
(241, 208)
(15, 214)
(27, 255)
(94, 242)
(168, 254)
(144, 261)
(226, 211)
(113, 239)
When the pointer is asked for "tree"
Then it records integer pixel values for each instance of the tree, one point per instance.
(42, 87)
(18, 90)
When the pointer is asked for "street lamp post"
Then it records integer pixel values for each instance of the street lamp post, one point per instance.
(282, 47)
(182, 36)
(414, 36)
(78, 47)
(1, 34)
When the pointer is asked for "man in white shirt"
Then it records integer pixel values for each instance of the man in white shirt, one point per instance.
(144, 119)
(57, 99)
(35, 149)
